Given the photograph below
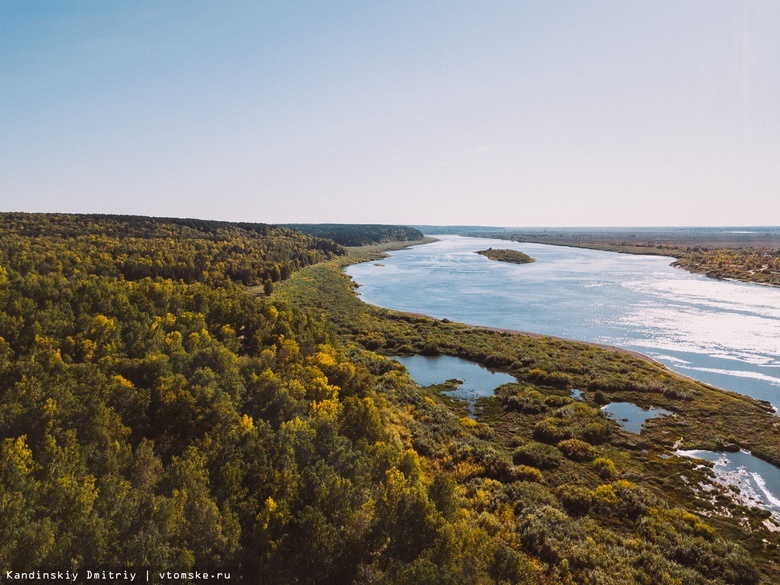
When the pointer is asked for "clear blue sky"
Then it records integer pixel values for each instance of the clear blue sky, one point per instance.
(496, 113)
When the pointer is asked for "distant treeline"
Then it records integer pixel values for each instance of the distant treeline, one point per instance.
(359, 234)
(457, 230)
(190, 250)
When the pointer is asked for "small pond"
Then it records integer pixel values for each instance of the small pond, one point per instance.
(757, 480)
(630, 416)
(476, 381)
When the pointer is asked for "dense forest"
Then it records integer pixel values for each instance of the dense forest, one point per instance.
(154, 414)
(359, 234)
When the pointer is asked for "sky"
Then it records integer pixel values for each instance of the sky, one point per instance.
(516, 113)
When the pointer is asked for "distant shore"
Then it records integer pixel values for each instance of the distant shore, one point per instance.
(752, 257)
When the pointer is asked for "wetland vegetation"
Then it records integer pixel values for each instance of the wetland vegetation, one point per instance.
(537, 414)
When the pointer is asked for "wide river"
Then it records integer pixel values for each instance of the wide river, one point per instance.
(720, 332)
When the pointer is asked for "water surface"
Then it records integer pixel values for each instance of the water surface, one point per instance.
(632, 417)
(476, 381)
(720, 332)
(757, 480)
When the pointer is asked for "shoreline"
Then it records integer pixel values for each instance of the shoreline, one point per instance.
(382, 249)
(392, 246)
(615, 348)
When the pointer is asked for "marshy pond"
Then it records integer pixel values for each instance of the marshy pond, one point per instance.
(475, 380)
(628, 415)
(632, 417)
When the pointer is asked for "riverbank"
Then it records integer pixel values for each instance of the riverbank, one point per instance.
(721, 333)
(547, 368)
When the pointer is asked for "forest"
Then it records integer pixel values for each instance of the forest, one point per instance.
(191, 395)
(359, 234)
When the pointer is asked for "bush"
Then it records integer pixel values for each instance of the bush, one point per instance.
(529, 402)
(525, 496)
(526, 473)
(605, 467)
(575, 499)
(510, 566)
(577, 450)
(537, 455)
(623, 499)
(545, 378)
(595, 432)
(552, 430)
(556, 400)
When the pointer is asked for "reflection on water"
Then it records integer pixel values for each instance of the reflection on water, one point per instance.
(723, 333)
(632, 417)
(476, 380)
(758, 481)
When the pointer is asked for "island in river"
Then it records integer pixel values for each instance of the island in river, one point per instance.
(748, 254)
(512, 256)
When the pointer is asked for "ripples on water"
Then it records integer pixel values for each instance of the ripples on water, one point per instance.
(758, 481)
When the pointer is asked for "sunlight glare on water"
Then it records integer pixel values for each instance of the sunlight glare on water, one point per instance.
(723, 333)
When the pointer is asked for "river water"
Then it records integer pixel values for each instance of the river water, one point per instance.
(723, 333)
(720, 332)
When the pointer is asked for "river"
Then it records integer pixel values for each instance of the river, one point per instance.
(724, 333)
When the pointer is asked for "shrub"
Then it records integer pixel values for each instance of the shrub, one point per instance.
(605, 467)
(552, 430)
(525, 495)
(610, 384)
(537, 455)
(442, 494)
(545, 378)
(575, 499)
(595, 432)
(529, 402)
(687, 540)
(556, 400)
(623, 499)
(526, 473)
(510, 566)
(577, 450)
